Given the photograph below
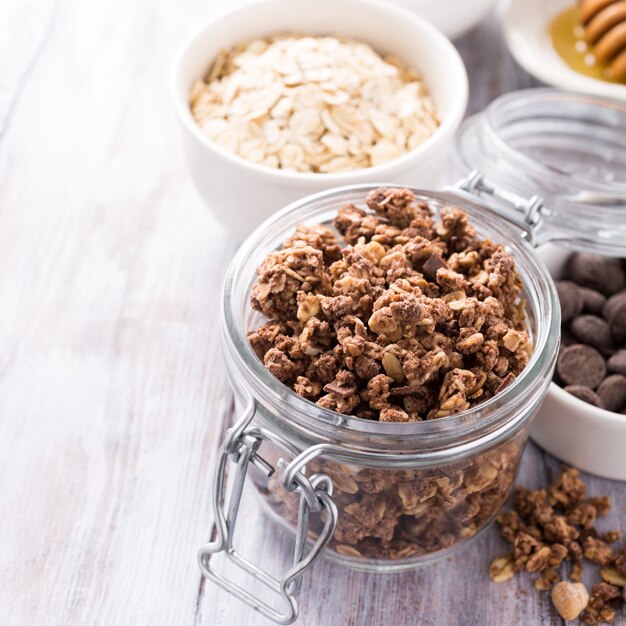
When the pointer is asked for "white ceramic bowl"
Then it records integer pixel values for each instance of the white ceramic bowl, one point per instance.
(525, 24)
(242, 194)
(572, 430)
(453, 18)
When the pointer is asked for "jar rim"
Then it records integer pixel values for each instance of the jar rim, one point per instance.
(322, 424)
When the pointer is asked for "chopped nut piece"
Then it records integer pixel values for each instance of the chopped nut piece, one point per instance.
(389, 328)
(393, 367)
(570, 599)
(539, 560)
(501, 569)
(612, 576)
(308, 307)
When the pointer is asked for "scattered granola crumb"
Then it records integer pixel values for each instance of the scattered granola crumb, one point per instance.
(554, 525)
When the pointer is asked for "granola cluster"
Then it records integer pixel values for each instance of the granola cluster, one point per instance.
(409, 318)
(556, 525)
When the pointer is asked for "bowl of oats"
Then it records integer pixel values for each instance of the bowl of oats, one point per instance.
(279, 99)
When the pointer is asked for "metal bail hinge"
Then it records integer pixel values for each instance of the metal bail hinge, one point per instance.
(526, 213)
(240, 448)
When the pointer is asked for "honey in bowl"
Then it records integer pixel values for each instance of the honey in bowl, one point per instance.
(591, 39)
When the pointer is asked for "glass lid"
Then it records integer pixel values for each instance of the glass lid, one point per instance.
(568, 149)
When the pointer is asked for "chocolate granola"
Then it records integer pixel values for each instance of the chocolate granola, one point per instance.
(415, 318)
(409, 318)
(397, 514)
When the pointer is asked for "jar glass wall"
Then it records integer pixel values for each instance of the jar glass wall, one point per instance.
(394, 519)
(567, 148)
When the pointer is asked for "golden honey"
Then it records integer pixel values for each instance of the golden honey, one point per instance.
(567, 37)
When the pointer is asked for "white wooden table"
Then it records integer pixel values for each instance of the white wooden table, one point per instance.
(112, 391)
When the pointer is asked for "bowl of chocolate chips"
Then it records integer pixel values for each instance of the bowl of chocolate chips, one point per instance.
(583, 420)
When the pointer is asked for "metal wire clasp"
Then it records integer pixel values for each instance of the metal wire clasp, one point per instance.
(526, 213)
(240, 447)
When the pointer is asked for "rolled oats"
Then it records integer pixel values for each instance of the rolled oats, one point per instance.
(312, 104)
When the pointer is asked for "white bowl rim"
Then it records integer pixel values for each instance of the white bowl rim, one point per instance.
(446, 127)
(564, 77)
(594, 412)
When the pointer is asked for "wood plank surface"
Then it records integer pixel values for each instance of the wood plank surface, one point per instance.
(112, 389)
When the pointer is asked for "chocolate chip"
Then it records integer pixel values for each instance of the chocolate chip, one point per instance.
(343, 386)
(617, 363)
(617, 322)
(571, 299)
(340, 390)
(506, 381)
(613, 303)
(597, 272)
(593, 331)
(593, 301)
(612, 391)
(431, 265)
(567, 339)
(585, 394)
(581, 365)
